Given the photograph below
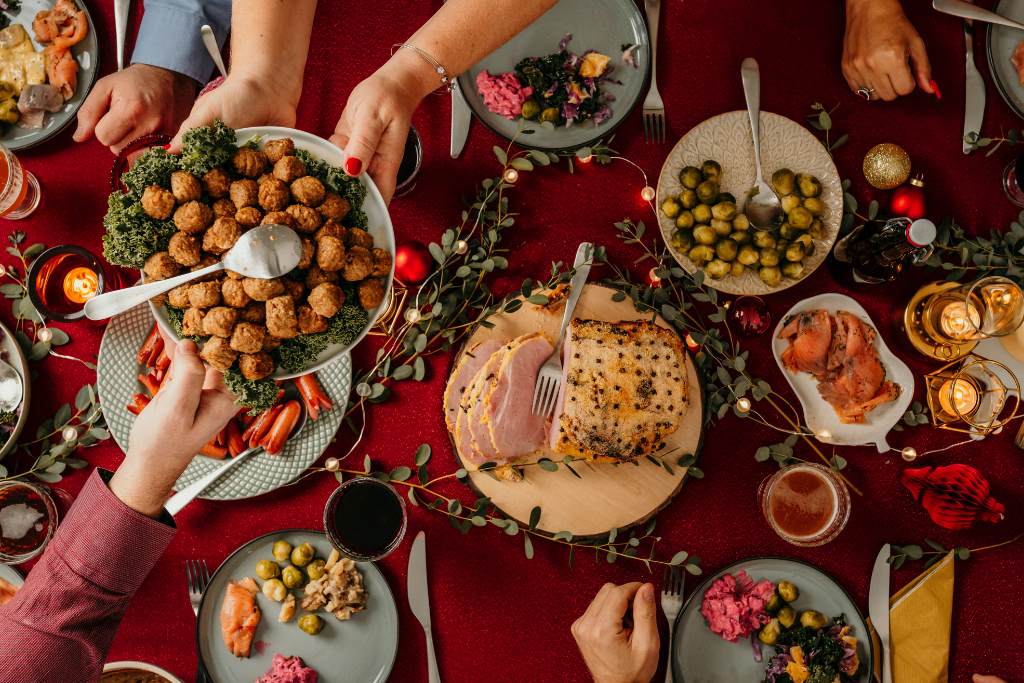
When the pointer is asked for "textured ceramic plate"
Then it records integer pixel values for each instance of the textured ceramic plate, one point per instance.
(602, 25)
(723, 662)
(376, 211)
(129, 666)
(86, 53)
(784, 144)
(361, 649)
(117, 374)
(14, 356)
(818, 414)
(1002, 42)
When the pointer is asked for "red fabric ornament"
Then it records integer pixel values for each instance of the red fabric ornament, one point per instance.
(909, 200)
(953, 495)
(413, 262)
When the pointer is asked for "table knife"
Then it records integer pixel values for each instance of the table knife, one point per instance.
(461, 116)
(419, 598)
(878, 607)
(974, 99)
(121, 8)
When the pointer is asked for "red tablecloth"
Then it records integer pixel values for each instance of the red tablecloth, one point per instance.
(499, 616)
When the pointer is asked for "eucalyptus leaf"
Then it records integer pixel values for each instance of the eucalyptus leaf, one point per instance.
(534, 517)
(423, 454)
(529, 546)
(400, 473)
(39, 351)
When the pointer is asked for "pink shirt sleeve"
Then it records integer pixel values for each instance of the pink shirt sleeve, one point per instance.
(60, 625)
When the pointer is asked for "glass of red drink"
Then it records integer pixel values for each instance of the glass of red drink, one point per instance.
(28, 518)
(365, 519)
(20, 192)
(806, 504)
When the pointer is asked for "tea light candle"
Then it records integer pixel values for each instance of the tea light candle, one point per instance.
(80, 284)
(960, 322)
(964, 397)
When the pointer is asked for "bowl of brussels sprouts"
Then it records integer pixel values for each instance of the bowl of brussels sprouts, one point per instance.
(703, 223)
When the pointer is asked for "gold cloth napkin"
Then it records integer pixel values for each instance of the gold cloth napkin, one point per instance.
(920, 619)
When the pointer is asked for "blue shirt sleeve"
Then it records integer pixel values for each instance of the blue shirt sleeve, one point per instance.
(169, 35)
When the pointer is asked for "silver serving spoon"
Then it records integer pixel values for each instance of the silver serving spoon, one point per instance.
(265, 252)
(210, 41)
(762, 207)
(192, 491)
(965, 10)
(11, 391)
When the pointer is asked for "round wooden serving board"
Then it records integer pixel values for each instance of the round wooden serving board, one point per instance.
(605, 495)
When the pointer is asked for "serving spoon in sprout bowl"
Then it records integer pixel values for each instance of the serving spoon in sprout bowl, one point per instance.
(265, 252)
(763, 208)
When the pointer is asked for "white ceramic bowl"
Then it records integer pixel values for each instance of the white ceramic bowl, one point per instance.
(379, 226)
(16, 359)
(117, 666)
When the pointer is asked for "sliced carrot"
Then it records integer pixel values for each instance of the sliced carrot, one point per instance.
(132, 408)
(245, 417)
(214, 451)
(159, 374)
(222, 437)
(163, 361)
(146, 352)
(235, 443)
(313, 395)
(258, 429)
(273, 442)
(141, 401)
(151, 383)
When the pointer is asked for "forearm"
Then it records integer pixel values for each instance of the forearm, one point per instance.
(272, 41)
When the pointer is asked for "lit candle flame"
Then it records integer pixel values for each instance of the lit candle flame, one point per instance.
(80, 284)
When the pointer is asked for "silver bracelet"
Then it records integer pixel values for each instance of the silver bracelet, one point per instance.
(447, 83)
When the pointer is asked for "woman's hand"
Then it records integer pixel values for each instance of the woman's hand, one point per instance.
(614, 653)
(878, 43)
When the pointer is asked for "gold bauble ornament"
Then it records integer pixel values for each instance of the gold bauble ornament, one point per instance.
(886, 166)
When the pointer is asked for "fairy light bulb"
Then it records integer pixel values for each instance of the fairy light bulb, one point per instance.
(3, 270)
(69, 433)
(44, 335)
(743, 404)
(653, 278)
(647, 194)
(511, 175)
(586, 160)
(363, 389)
(824, 435)
(461, 247)
(413, 315)
(909, 454)
(332, 464)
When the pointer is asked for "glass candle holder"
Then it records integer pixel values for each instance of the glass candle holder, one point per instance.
(806, 504)
(63, 278)
(20, 193)
(412, 161)
(1011, 181)
(969, 395)
(365, 519)
(28, 518)
(989, 307)
(132, 151)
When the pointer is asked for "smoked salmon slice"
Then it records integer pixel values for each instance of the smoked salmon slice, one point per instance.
(810, 338)
(239, 616)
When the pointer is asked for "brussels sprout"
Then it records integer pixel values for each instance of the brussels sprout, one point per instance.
(701, 254)
(794, 271)
(704, 234)
(717, 269)
(282, 551)
(800, 218)
(741, 222)
(763, 238)
(808, 184)
(682, 240)
(688, 199)
(787, 231)
(6, 90)
(814, 205)
(790, 202)
(266, 569)
(737, 269)
(315, 569)
(770, 276)
(550, 114)
(817, 230)
(724, 211)
(302, 555)
(690, 177)
(722, 228)
(787, 616)
(794, 252)
(784, 181)
(726, 249)
(684, 219)
(788, 591)
(670, 207)
(707, 192)
(702, 214)
(274, 590)
(775, 603)
(530, 109)
(311, 624)
(769, 632)
(814, 619)
(292, 577)
(781, 245)
(741, 237)
(769, 257)
(808, 243)
(712, 170)
(726, 197)
(748, 255)
(9, 111)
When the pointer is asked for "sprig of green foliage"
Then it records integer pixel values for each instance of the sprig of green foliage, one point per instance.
(901, 554)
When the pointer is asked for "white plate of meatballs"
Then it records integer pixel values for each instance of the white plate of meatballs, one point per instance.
(246, 318)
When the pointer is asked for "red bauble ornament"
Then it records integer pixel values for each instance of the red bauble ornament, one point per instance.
(953, 495)
(909, 200)
(413, 262)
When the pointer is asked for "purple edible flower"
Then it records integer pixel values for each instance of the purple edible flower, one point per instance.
(753, 636)
(603, 114)
(608, 97)
(551, 90)
(588, 52)
(606, 76)
(813, 653)
(627, 56)
(569, 112)
(570, 62)
(564, 41)
(534, 59)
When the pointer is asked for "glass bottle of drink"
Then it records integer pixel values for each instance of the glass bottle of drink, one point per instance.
(875, 253)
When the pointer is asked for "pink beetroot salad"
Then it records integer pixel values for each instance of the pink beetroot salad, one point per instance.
(735, 607)
(503, 94)
(288, 670)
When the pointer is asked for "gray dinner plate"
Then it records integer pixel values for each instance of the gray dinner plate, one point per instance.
(11, 575)
(700, 656)
(86, 53)
(359, 650)
(602, 25)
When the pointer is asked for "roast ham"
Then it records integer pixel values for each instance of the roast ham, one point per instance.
(463, 374)
(515, 431)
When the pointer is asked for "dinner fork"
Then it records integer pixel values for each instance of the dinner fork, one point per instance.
(654, 107)
(671, 603)
(198, 579)
(550, 376)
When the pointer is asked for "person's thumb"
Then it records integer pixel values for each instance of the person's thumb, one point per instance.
(92, 110)
(186, 389)
(645, 621)
(362, 143)
(922, 67)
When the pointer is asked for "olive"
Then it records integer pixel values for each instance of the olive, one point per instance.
(794, 252)
(763, 238)
(813, 619)
(722, 228)
(741, 222)
(748, 255)
(274, 590)
(817, 230)
(682, 240)
(702, 214)
(769, 257)
(315, 569)
(769, 632)
(724, 211)
(701, 254)
(670, 207)
(688, 199)
(282, 551)
(549, 114)
(712, 170)
(814, 205)
(775, 603)
(266, 569)
(787, 616)
(784, 181)
(794, 271)
(770, 276)
(808, 243)
(726, 197)
(530, 109)
(292, 577)
(800, 218)
(707, 192)
(717, 269)
(788, 591)
(684, 219)
(787, 231)
(737, 269)
(704, 234)
(808, 184)
(741, 237)
(726, 249)
(690, 177)
(790, 202)
(311, 624)
(302, 555)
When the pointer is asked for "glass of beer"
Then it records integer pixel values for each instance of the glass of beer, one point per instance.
(806, 504)
(20, 194)
(28, 518)
(365, 519)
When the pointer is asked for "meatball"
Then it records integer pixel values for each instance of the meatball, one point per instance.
(273, 195)
(233, 293)
(232, 275)
(371, 293)
(306, 219)
(205, 262)
(358, 238)
(264, 177)
(222, 235)
(160, 266)
(287, 169)
(308, 190)
(279, 218)
(204, 294)
(316, 276)
(326, 299)
(248, 217)
(333, 206)
(224, 208)
(186, 187)
(262, 290)
(256, 365)
(159, 299)
(250, 162)
(310, 321)
(281, 319)
(192, 323)
(358, 263)
(270, 342)
(275, 149)
(217, 183)
(254, 312)
(308, 252)
(178, 297)
(381, 262)
(295, 290)
(193, 217)
(330, 254)
(332, 228)
(244, 193)
(220, 321)
(158, 202)
(248, 337)
(219, 354)
(184, 248)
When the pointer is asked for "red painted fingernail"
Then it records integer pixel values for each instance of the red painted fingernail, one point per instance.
(935, 87)
(167, 146)
(353, 166)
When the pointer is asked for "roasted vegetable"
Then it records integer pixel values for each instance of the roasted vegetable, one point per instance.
(690, 177)
(790, 202)
(763, 238)
(670, 207)
(748, 255)
(770, 276)
(302, 555)
(282, 551)
(769, 257)
(292, 577)
(267, 569)
(784, 181)
(712, 170)
(684, 219)
(741, 222)
(688, 199)
(701, 254)
(722, 228)
(707, 192)
(274, 590)
(717, 269)
(808, 184)
(724, 211)
(315, 569)
(726, 249)
(530, 109)
(788, 591)
(813, 619)
(682, 240)
(814, 205)
(704, 234)
(702, 213)
(311, 624)
(793, 270)
(787, 616)
(800, 218)
(769, 633)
